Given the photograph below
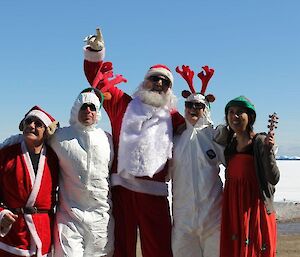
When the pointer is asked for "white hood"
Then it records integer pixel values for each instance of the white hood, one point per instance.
(89, 98)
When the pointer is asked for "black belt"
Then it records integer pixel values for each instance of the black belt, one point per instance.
(29, 210)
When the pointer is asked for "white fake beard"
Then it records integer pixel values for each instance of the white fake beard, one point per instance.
(156, 99)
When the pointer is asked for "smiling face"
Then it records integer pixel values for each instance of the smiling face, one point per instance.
(238, 119)
(33, 131)
(194, 111)
(157, 83)
(156, 93)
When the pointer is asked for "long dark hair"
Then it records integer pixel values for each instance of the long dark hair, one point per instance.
(251, 120)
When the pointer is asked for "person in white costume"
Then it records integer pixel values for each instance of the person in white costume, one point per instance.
(84, 224)
(196, 185)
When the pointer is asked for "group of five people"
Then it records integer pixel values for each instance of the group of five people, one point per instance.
(112, 188)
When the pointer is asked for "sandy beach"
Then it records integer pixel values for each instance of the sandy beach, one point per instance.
(288, 238)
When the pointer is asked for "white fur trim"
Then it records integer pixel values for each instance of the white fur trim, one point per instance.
(145, 140)
(14, 250)
(160, 71)
(36, 185)
(93, 56)
(41, 115)
(34, 234)
(28, 162)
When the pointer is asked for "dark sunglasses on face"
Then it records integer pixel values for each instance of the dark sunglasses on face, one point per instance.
(85, 106)
(194, 105)
(165, 82)
(37, 122)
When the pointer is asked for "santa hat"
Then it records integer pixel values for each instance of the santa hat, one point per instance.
(45, 117)
(160, 69)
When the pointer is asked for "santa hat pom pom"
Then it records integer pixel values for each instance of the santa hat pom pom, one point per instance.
(50, 123)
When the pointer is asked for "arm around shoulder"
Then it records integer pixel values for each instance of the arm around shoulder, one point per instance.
(15, 139)
(221, 135)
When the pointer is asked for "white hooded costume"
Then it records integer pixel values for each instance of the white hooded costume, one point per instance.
(197, 189)
(84, 224)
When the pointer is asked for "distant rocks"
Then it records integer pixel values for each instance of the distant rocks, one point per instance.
(287, 211)
(285, 157)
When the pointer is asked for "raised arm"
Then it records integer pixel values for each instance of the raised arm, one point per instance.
(99, 73)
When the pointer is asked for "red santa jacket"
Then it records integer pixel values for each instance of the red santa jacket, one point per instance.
(20, 187)
(116, 108)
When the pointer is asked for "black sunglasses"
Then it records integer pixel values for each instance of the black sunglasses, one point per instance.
(165, 82)
(194, 105)
(85, 106)
(37, 122)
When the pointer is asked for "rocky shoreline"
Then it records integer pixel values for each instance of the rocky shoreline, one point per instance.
(288, 218)
(287, 211)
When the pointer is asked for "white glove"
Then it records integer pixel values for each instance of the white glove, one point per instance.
(52, 127)
(96, 42)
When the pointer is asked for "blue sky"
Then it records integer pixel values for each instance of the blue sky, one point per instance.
(252, 45)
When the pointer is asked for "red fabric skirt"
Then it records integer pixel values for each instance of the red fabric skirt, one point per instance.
(247, 230)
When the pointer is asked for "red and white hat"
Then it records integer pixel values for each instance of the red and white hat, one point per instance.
(160, 69)
(38, 112)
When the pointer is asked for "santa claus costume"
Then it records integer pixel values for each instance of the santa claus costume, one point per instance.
(28, 190)
(142, 137)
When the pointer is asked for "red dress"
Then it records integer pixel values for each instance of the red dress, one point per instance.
(247, 230)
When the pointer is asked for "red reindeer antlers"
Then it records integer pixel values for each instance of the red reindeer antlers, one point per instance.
(205, 77)
(188, 75)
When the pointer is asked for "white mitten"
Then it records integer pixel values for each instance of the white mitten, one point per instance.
(52, 127)
(96, 42)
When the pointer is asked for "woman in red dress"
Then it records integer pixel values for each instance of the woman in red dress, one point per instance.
(248, 218)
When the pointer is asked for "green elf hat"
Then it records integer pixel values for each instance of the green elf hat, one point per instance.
(241, 101)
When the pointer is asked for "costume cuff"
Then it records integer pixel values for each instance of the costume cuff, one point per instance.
(93, 56)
